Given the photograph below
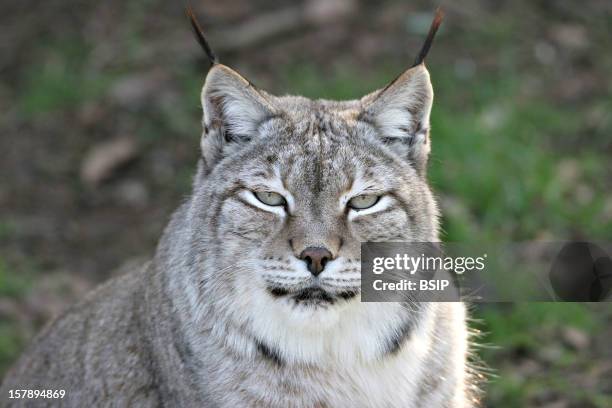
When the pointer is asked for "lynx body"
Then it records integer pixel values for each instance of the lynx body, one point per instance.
(253, 296)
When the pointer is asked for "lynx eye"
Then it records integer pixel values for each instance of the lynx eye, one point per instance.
(270, 198)
(361, 202)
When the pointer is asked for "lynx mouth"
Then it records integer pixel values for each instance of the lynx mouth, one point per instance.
(312, 295)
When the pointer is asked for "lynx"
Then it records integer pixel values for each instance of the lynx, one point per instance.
(253, 296)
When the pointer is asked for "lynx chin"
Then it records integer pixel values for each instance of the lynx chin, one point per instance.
(253, 296)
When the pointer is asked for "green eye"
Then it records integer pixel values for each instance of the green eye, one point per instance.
(270, 198)
(364, 201)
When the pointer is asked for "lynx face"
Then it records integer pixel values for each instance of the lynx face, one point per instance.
(289, 187)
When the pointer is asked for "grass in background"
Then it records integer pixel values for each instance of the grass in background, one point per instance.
(522, 344)
(61, 81)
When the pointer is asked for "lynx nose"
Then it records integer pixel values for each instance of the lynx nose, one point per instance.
(316, 258)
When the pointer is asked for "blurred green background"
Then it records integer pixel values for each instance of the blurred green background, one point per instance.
(100, 136)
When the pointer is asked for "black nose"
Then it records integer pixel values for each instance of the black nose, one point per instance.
(316, 258)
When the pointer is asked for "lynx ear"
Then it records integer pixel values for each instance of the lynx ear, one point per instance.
(400, 112)
(233, 111)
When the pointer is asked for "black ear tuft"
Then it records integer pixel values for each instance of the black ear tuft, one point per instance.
(197, 29)
(435, 24)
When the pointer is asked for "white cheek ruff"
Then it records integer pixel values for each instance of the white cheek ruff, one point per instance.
(344, 334)
(382, 204)
(250, 198)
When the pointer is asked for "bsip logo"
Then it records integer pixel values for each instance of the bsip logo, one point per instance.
(582, 272)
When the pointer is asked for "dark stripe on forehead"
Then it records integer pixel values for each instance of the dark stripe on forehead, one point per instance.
(286, 171)
(262, 174)
(321, 122)
(319, 129)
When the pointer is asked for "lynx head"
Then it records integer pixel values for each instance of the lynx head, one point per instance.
(289, 187)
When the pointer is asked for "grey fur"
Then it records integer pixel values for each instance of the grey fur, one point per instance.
(215, 320)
